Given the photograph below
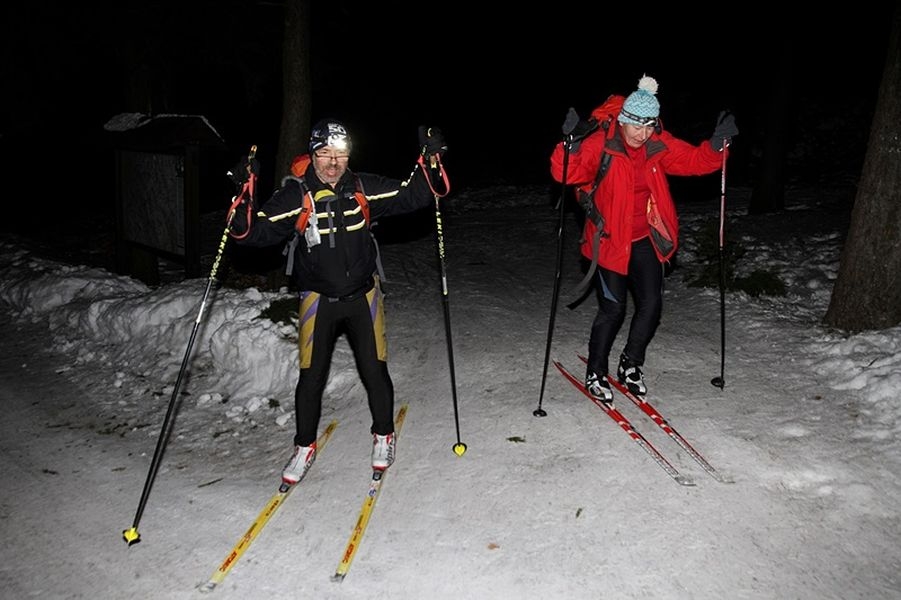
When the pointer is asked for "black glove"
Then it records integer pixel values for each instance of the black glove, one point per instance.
(577, 129)
(432, 140)
(725, 130)
(243, 168)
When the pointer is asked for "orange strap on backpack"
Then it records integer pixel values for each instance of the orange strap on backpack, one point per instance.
(298, 169)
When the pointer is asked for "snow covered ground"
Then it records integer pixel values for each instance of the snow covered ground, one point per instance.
(564, 506)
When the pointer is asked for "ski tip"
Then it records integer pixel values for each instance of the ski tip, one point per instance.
(722, 478)
(338, 577)
(686, 481)
(207, 587)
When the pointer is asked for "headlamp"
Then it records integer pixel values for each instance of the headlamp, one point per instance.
(337, 141)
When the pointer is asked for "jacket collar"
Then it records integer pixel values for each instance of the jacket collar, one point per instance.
(616, 145)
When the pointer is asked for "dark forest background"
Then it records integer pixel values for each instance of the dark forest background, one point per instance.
(497, 85)
(804, 86)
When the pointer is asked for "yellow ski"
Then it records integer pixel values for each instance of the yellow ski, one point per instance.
(254, 530)
(375, 486)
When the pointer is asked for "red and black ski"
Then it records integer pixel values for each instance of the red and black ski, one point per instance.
(663, 424)
(626, 426)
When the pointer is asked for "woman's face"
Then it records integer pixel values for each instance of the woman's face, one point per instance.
(636, 135)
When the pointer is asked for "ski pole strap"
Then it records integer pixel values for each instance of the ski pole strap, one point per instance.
(436, 167)
(247, 195)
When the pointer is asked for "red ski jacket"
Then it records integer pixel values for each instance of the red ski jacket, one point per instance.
(666, 155)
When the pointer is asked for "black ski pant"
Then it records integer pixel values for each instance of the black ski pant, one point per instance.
(322, 321)
(645, 282)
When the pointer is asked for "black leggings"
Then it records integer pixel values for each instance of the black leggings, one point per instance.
(321, 323)
(645, 282)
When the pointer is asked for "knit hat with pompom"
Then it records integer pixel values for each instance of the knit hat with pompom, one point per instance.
(641, 107)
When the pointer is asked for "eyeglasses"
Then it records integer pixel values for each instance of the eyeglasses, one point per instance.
(338, 157)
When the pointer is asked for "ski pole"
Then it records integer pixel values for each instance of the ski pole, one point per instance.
(720, 381)
(561, 205)
(131, 535)
(436, 168)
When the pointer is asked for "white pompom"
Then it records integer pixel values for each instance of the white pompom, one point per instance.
(648, 84)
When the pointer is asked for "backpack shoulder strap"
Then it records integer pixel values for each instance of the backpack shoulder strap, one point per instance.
(364, 206)
(360, 195)
(586, 201)
(586, 197)
(298, 170)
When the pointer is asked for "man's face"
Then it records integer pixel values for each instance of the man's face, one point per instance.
(330, 163)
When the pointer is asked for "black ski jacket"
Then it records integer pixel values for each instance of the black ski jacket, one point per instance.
(343, 263)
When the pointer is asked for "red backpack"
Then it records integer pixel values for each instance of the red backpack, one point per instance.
(609, 110)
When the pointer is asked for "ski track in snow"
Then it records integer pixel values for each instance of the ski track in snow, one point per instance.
(561, 506)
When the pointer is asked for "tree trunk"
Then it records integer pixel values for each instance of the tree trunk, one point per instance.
(294, 132)
(867, 291)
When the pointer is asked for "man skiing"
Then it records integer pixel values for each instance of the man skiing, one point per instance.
(329, 208)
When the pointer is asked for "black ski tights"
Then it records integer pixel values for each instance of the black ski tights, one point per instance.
(645, 282)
